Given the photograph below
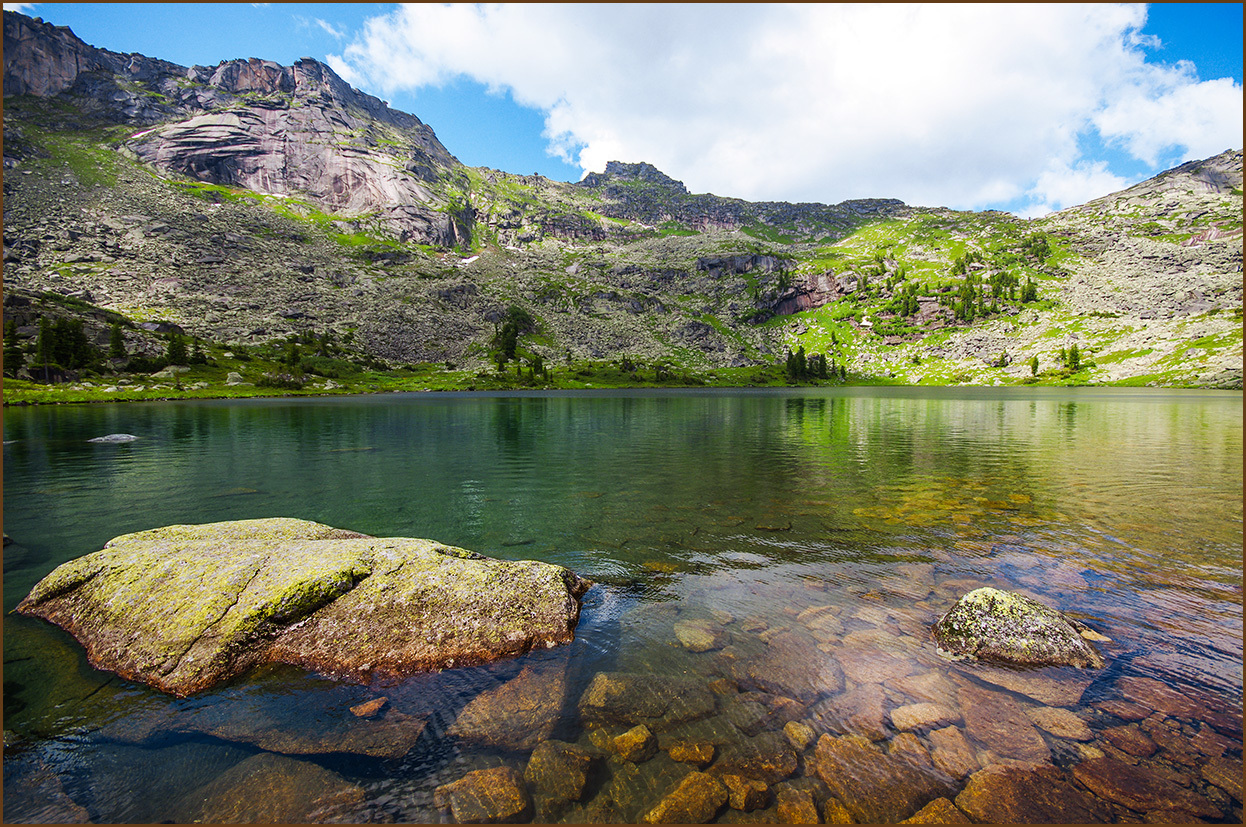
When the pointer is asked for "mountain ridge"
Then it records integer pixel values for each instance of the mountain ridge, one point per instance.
(251, 203)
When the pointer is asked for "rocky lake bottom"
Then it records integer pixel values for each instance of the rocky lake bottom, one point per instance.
(757, 647)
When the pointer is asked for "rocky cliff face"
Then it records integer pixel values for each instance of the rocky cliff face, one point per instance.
(283, 130)
(301, 130)
(640, 192)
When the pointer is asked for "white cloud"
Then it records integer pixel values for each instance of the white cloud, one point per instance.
(305, 23)
(328, 27)
(955, 105)
(1061, 185)
(24, 8)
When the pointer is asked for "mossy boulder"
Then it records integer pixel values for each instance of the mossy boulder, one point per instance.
(1007, 627)
(184, 607)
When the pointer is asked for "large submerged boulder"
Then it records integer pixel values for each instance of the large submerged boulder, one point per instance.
(184, 607)
(990, 624)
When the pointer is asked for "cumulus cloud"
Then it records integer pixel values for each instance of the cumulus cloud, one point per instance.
(1060, 185)
(963, 106)
(24, 8)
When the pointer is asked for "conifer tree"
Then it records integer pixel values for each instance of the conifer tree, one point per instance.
(116, 343)
(176, 352)
(13, 356)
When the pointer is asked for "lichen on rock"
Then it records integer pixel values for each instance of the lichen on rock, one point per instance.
(182, 608)
(991, 624)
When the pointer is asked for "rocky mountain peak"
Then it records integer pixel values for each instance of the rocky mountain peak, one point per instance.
(308, 81)
(618, 171)
(43, 59)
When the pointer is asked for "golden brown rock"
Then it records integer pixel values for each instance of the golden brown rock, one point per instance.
(1061, 723)
(999, 723)
(1225, 773)
(559, 770)
(182, 608)
(1130, 739)
(635, 745)
(492, 796)
(520, 713)
(745, 794)
(267, 788)
(367, 709)
(699, 753)
(952, 752)
(1139, 788)
(796, 806)
(939, 811)
(694, 800)
(875, 787)
(1028, 794)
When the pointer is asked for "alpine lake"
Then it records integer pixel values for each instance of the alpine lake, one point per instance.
(768, 565)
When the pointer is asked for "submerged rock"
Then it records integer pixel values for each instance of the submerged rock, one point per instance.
(695, 800)
(939, 811)
(260, 714)
(636, 745)
(998, 722)
(796, 807)
(34, 793)
(272, 789)
(745, 794)
(519, 714)
(1029, 794)
(767, 757)
(794, 667)
(559, 770)
(490, 796)
(637, 698)
(991, 624)
(185, 607)
(1140, 788)
(877, 788)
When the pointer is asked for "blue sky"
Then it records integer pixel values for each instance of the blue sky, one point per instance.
(1025, 108)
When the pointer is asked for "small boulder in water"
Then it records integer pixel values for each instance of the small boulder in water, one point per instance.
(111, 438)
(991, 624)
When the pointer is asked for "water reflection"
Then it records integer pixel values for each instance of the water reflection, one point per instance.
(785, 552)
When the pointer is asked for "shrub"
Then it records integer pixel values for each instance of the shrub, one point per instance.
(280, 380)
(144, 364)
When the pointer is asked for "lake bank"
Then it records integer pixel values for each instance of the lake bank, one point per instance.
(210, 383)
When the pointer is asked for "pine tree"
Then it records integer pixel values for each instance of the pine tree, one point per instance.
(176, 352)
(1033, 366)
(13, 356)
(1075, 359)
(43, 346)
(116, 342)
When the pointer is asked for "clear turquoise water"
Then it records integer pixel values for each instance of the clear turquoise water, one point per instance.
(1121, 506)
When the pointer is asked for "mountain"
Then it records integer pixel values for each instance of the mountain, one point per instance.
(251, 204)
